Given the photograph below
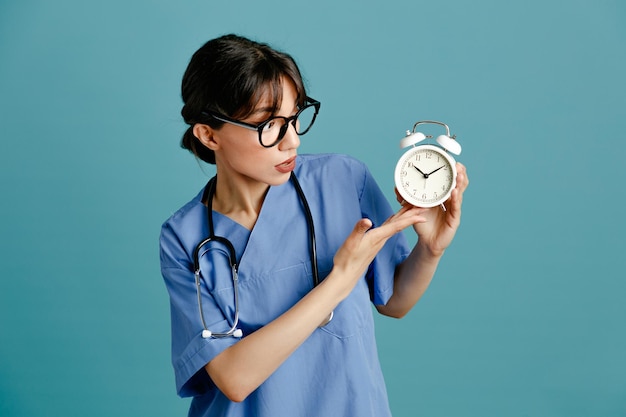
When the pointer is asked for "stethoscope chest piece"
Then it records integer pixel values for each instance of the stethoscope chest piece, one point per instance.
(327, 320)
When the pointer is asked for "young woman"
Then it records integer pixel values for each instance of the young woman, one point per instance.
(273, 267)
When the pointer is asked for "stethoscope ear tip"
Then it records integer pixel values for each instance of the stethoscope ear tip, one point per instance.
(238, 333)
(206, 334)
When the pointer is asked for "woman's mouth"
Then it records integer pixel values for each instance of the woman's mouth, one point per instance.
(286, 166)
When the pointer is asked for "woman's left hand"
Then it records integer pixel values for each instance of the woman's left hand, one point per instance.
(437, 227)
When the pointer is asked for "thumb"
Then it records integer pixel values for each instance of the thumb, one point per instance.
(353, 241)
(362, 226)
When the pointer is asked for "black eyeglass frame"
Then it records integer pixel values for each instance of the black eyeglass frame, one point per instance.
(310, 102)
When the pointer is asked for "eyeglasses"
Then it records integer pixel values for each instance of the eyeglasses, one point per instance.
(273, 130)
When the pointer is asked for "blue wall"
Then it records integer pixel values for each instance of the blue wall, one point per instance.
(526, 315)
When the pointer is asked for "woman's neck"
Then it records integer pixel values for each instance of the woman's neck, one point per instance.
(240, 200)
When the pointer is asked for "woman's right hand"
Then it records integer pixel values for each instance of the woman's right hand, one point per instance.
(364, 242)
(241, 368)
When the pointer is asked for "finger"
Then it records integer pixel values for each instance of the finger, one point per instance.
(462, 178)
(456, 201)
(406, 208)
(358, 232)
(399, 198)
(360, 228)
(405, 217)
(462, 183)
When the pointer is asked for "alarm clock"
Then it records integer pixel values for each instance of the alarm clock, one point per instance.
(425, 174)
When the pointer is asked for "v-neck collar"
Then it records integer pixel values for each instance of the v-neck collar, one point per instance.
(281, 224)
(236, 232)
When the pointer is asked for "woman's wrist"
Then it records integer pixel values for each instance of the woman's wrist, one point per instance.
(428, 252)
(339, 283)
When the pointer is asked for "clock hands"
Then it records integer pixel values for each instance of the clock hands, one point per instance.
(420, 171)
(430, 173)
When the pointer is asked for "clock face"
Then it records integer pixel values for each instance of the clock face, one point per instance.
(425, 176)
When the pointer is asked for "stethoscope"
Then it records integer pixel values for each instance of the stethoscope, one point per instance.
(207, 197)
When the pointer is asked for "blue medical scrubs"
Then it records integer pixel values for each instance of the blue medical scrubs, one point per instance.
(336, 371)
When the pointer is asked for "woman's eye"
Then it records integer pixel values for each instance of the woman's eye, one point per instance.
(270, 125)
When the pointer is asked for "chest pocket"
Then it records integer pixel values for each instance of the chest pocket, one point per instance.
(264, 297)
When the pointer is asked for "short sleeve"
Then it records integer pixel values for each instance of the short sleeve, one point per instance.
(380, 274)
(190, 351)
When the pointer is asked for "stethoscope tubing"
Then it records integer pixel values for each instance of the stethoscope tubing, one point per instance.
(207, 197)
(232, 259)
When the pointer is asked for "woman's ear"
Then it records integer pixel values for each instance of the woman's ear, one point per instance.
(205, 134)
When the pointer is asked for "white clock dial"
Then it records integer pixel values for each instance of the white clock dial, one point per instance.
(425, 176)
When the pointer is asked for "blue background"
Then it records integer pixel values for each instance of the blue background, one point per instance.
(526, 314)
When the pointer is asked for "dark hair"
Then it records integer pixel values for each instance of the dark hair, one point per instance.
(229, 75)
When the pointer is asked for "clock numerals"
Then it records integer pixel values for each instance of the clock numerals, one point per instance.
(426, 155)
(424, 176)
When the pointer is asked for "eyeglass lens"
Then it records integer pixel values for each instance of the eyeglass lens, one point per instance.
(275, 128)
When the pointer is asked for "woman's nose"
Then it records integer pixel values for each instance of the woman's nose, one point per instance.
(291, 140)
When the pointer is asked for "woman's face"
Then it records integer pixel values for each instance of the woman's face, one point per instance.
(239, 153)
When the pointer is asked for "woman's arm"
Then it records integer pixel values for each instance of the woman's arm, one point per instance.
(435, 229)
(241, 368)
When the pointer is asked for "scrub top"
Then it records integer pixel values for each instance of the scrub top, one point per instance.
(336, 371)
